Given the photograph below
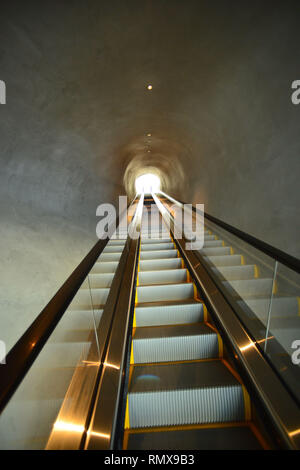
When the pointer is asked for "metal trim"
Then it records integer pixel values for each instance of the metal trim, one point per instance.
(80, 396)
(102, 428)
(282, 411)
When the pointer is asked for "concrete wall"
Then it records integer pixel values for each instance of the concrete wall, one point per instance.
(248, 144)
(78, 112)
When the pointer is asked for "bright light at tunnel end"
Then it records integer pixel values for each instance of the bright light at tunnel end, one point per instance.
(147, 183)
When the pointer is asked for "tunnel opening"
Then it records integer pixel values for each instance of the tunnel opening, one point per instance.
(147, 183)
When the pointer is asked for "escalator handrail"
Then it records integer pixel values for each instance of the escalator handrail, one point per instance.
(284, 258)
(23, 354)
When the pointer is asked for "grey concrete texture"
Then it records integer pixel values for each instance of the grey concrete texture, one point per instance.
(223, 129)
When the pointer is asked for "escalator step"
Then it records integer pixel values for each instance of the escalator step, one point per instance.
(157, 246)
(209, 237)
(117, 241)
(155, 234)
(160, 264)
(174, 343)
(162, 276)
(113, 248)
(160, 293)
(86, 299)
(159, 254)
(281, 306)
(105, 267)
(212, 243)
(109, 257)
(216, 251)
(169, 314)
(250, 287)
(227, 260)
(234, 273)
(151, 241)
(101, 280)
(184, 393)
(206, 438)
(286, 330)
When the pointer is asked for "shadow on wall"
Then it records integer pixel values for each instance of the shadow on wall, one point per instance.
(158, 156)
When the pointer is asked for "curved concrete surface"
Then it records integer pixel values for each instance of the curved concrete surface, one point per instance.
(224, 131)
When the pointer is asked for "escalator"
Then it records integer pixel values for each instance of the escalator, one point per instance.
(150, 346)
(182, 392)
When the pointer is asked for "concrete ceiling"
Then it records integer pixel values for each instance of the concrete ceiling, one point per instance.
(78, 111)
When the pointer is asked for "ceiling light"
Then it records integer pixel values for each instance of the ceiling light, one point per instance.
(149, 87)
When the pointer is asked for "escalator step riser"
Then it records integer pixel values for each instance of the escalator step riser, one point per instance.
(113, 249)
(252, 287)
(160, 264)
(169, 315)
(209, 237)
(227, 260)
(154, 233)
(159, 254)
(184, 348)
(281, 307)
(87, 299)
(212, 243)
(207, 438)
(157, 246)
(162, 277)
(105, 267)
(217, 251)
(109, 257)
(101, 280)
(154, 241)
(180, 407)
(164, 293)
(118, 241)
(233, 273)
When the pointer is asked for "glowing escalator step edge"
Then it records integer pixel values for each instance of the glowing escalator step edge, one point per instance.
(247, 403)
(127, 420)
(131, 354)
(220, 343)
(205, 315)
(196, 297)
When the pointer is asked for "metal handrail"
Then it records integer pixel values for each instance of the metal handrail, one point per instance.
(275, 253)
(23, 354)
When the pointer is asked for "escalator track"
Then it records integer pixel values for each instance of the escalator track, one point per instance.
(182, 391)
(167, 363)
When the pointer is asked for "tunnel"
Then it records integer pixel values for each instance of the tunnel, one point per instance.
(149, 225)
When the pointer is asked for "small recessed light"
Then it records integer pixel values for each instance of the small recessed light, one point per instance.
(149, 87)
